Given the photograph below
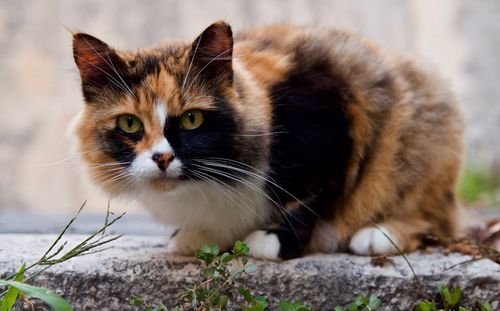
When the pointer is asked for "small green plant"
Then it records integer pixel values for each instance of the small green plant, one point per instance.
(449, 300)
(221, 273)
(362, 303)
(286, 305)
(16, 284)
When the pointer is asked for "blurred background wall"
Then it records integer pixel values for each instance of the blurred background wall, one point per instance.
(39, 86)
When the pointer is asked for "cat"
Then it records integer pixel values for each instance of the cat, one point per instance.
(293, 139)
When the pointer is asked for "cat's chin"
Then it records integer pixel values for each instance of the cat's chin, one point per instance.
(164, 184)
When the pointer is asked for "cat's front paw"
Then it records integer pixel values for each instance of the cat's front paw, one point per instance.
(184, 242)
(373, 241)
(263, 244)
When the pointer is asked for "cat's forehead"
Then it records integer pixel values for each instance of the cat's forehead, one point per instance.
(165, 79)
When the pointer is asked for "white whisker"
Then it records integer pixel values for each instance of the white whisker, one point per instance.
(218, 57)
(190, 64)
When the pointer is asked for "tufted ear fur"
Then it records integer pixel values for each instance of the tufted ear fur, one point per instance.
(212, 51)
(99, 64)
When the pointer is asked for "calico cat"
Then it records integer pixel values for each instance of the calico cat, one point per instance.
(292, 139)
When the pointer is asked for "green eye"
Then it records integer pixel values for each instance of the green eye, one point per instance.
(191, 119)
(129, 123)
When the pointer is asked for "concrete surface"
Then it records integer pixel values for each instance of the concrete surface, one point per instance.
(139, 265)
(36, 222)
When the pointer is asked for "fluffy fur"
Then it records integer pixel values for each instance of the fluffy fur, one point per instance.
(311, 140)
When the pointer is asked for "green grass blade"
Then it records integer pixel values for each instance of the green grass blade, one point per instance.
(11, 295)
(52, 299)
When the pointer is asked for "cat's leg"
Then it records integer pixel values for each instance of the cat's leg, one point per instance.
(289, 240)
(436, 216)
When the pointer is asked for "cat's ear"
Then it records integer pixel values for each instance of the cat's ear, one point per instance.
(98, 63)
(212, 51)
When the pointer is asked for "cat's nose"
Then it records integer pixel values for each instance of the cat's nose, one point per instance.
(163, 159)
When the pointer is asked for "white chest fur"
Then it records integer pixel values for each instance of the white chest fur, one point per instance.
(210, 213)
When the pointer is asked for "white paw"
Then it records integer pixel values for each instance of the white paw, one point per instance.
(263, 245)
(372, 241)
(177, 247)
(185, 243)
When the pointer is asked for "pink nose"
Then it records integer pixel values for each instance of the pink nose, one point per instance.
(163, 159)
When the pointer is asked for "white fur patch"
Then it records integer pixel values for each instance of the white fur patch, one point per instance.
(161, 113)
(186, 242)
(144, 166)
(371, 241)
(216, 215)
(263, 244)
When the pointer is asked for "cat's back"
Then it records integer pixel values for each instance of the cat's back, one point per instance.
(274, 53)
(364, 105)
(352, 68)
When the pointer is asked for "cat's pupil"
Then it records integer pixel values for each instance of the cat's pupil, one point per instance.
(129, 121)
(191, 117)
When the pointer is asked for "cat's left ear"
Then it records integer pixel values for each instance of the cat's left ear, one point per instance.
(212, 51)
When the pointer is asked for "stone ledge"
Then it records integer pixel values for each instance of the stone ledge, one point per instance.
(139, 265)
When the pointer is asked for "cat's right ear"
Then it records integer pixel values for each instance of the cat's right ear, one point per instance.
(98, 63)
(212, 51)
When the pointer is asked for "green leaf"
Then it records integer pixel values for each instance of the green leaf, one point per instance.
(210, 272)
(286, 305)
(11, 295)
(262, 301)
(426, 306)
(463, 309)
(455, 295)
(245, 292)
(205, 254)
(214, 249)
(361, 300)
(52, 299)
(137, 301)
(483, 306)
(373, 303)
(450, 299)
(353, 307)
(205, 249)
(358, 304)
(338, 308)
(226, 257)
(240, 249)
(444, 292)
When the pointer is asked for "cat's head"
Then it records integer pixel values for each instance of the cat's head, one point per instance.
(165, 116)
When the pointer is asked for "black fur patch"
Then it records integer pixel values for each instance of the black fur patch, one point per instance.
(213, 139)
(295, 229)
(120, 145)
(309, 159)
(315, 145)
